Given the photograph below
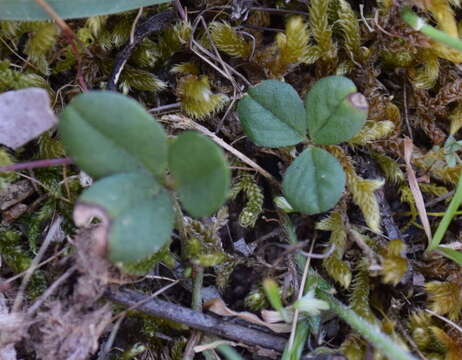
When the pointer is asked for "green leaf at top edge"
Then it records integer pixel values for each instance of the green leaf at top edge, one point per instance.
(28, 10)
(272, 114)
(314, 182)
(201, 173)
(106, 133)
(335, 110)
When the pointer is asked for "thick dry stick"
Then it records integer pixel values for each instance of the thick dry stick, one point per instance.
(155, 23)
(197, 320)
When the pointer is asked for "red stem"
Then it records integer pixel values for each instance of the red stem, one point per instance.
(36, 164)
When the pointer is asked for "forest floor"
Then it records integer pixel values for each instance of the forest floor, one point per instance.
(191, 62)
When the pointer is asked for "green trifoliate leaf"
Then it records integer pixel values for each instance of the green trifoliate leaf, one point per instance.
(107, 133)
(335, 110)
(27, 10)
(314, 182)
(272, 114)
(136, 214)
(201, 173)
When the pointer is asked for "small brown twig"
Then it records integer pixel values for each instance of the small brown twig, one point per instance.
(155, 23)
(55, 16)
(37, 182)
(166, 107)
(187, 123)
(370, 254)
(447, 321)
(70, 36)
(197, 320)
(36, 305)
(439, 199)
(106, 349)
(135, 23)
(21, 274)
(55, 226)
(278, 11)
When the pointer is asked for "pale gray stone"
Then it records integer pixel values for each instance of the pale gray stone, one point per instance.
(24, 115)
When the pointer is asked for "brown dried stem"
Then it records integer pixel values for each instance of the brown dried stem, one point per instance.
(197, 320)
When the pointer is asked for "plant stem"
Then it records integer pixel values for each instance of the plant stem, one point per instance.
(367, 330)
(180, 225)
(297, 341)
(448, 215)
(301, 334)
(36, 164)
(187, 123)
(290, 231)
(419, 24)
(70, 36)
(198, 272)
(196, 304)
(229, 353)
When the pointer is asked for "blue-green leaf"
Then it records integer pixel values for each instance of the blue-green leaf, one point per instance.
(272, 114)
(314, 182)
(28, 10)
(201, 173)
(136, 210)
(107, 133)
(335, 110)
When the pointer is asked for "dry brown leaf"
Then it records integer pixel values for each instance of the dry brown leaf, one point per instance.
(414, 186)
(271, 316)
(24, 115)
(218, 307)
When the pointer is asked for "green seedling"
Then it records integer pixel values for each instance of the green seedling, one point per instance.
(444, 224)
(273, 115)
(419, 24)
(451, 146)
(273, 293)
(139, 174)
(29, 10)
(323, 291)
(310, 305)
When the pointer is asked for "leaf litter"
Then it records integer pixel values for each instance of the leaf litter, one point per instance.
(412, 86)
